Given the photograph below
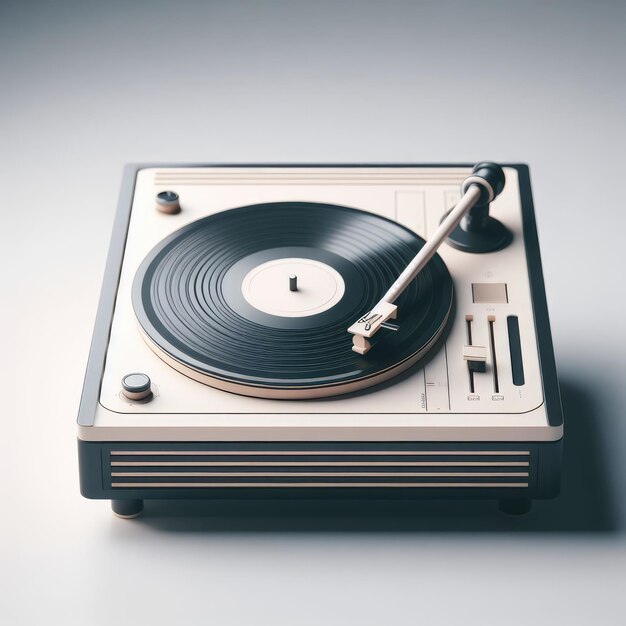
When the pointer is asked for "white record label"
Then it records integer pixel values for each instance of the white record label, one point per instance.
(319, 287)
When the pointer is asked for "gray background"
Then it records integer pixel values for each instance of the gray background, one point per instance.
(88, 86)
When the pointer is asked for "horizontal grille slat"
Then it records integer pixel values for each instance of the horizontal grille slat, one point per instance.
(323, 468)
(307, 471)
(329, 473)
(332, 484)
(343, 453)
(317, 464)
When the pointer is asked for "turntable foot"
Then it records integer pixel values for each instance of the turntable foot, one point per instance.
(515, 506)
(127, 509)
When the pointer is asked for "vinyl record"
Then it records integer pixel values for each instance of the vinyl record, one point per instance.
(215, 300)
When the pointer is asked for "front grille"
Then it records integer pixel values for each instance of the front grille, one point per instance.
(284, 468)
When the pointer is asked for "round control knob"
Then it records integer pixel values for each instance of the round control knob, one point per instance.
(167, 202)
(136, 386)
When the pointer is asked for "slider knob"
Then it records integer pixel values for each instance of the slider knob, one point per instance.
(476, 358)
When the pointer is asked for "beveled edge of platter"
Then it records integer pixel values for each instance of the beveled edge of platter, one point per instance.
(303, 393)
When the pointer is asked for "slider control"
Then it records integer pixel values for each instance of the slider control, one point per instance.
(476, 357)
(491, 319)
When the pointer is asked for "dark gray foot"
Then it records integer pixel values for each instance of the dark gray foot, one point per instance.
(127, 509)
(516, 506)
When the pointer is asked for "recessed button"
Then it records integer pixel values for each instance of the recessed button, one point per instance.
(490, 293)
(136, 386)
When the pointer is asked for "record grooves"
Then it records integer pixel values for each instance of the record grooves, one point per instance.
(188, 299)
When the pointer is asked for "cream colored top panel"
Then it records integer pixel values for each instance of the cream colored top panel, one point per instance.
(415, 197)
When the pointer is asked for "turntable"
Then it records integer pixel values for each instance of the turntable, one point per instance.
(271, 331)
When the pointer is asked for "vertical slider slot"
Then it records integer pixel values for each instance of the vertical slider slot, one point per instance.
(515, 349)
(492, 345)
(468, 326)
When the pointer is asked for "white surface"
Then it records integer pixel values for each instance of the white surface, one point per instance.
(89, 86)
(318, 288)
(434, 403)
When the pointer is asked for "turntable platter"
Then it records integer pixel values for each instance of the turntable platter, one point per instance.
(256, 300)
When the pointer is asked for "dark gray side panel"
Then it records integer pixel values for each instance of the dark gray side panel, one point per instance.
(104, 316)
(551, 390)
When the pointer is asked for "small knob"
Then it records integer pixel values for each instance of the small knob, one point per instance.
(136, 386)
(168, 202)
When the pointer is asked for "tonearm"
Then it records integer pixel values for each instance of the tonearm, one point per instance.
(468, 227)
